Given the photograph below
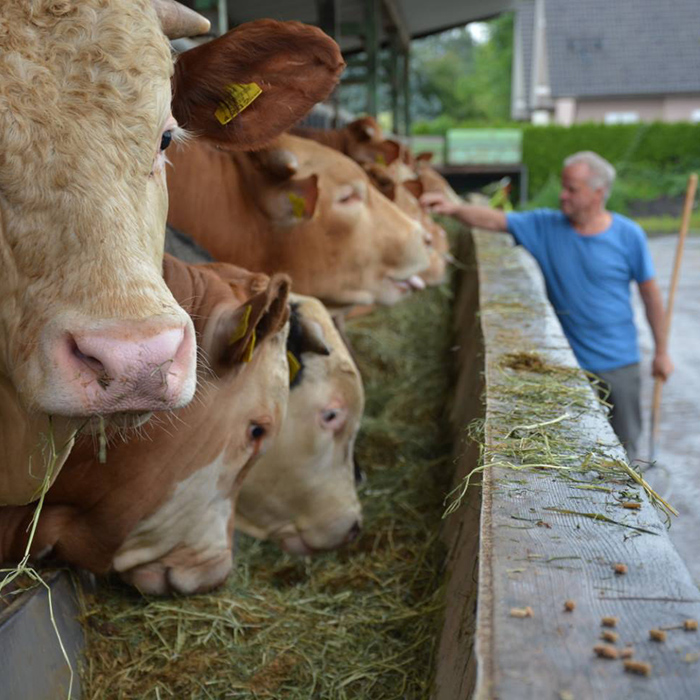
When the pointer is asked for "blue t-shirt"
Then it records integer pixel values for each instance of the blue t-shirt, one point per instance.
(588, 282)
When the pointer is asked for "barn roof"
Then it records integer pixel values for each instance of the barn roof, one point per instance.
(419, 17)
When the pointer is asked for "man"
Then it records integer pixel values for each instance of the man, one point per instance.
(588, 257)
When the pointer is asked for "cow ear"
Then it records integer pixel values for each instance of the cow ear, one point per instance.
(292, 202)
(415, 187)
(424, 157)
(389, 151)
(365, 129)
(239, 330)
(254, 82)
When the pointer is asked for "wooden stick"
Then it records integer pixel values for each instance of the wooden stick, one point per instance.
(658, 382)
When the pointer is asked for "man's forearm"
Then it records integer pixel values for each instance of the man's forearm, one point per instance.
(656, 314)
(482, 217)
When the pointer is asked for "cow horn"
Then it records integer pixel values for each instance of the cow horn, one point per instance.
(178, 21)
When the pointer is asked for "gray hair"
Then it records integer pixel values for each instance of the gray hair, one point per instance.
(602, 172)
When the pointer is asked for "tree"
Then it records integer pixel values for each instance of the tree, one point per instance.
(456, 77)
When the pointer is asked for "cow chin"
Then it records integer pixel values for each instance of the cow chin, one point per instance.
(160, 578)
(322, 539)
(123, 422)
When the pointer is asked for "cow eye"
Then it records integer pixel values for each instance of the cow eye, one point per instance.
(256, 432)
(166, 139)
(329, 416)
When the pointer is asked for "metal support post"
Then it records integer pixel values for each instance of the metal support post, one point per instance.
(407, 92)
(372, 9)
(223, 17)
(394, 84)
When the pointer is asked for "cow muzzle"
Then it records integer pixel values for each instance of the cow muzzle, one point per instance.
(133, 367)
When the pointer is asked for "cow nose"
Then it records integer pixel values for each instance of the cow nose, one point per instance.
(132, 367)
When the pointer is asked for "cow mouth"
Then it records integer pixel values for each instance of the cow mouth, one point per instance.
(414, 282)
(123, 420)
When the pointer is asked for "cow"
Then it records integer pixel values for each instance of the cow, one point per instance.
(431, 179)
(160, 512)
(405, 195)
(88, 328)
(301, 208)
(362, 140)
(302, 493)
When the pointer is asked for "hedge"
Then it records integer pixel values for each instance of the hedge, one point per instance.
(634, 149)
(664, 148)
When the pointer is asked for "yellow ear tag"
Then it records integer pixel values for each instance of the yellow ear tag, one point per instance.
(239, 96)
(380, 159)
(248, 354)
(242, 327)
(298, 205)
(294, 366)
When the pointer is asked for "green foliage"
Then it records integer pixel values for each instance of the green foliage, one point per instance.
(661, 225)
(651, 159)
(459, 80)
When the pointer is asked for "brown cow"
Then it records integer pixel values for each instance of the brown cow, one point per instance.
(87, 325)
(302, 493)
(431, 178)
(362, 140)
(405, 195)
(160, 512)
(299, 208)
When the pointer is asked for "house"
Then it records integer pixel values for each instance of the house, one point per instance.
(611, 61)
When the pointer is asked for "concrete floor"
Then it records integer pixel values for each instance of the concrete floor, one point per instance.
(676, 475)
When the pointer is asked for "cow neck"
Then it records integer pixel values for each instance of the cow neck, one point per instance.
(24, 439)
(337, 139)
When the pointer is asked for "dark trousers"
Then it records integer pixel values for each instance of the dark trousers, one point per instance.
(625, 416)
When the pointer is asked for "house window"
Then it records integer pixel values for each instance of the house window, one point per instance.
(621, 117)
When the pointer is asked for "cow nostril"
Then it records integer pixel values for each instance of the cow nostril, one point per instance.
(427, 239)
(92, 362)
(360, 476)
(354, 532)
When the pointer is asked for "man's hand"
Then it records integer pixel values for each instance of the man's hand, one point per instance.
(438, 203)
(470, 214)
(662, 367)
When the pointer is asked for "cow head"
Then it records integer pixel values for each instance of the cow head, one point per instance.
(405, 194)
(302, 492)
(87, 325)
(186, 544)
(336, 236)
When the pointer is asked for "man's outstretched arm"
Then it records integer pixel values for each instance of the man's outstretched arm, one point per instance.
(470, 214)
(656, 315)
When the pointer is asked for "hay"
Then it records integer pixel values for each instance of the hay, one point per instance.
(536, 407)
(23, 577)
(359, 623)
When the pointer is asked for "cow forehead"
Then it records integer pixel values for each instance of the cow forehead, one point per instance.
(77, 76)
(316, 158)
